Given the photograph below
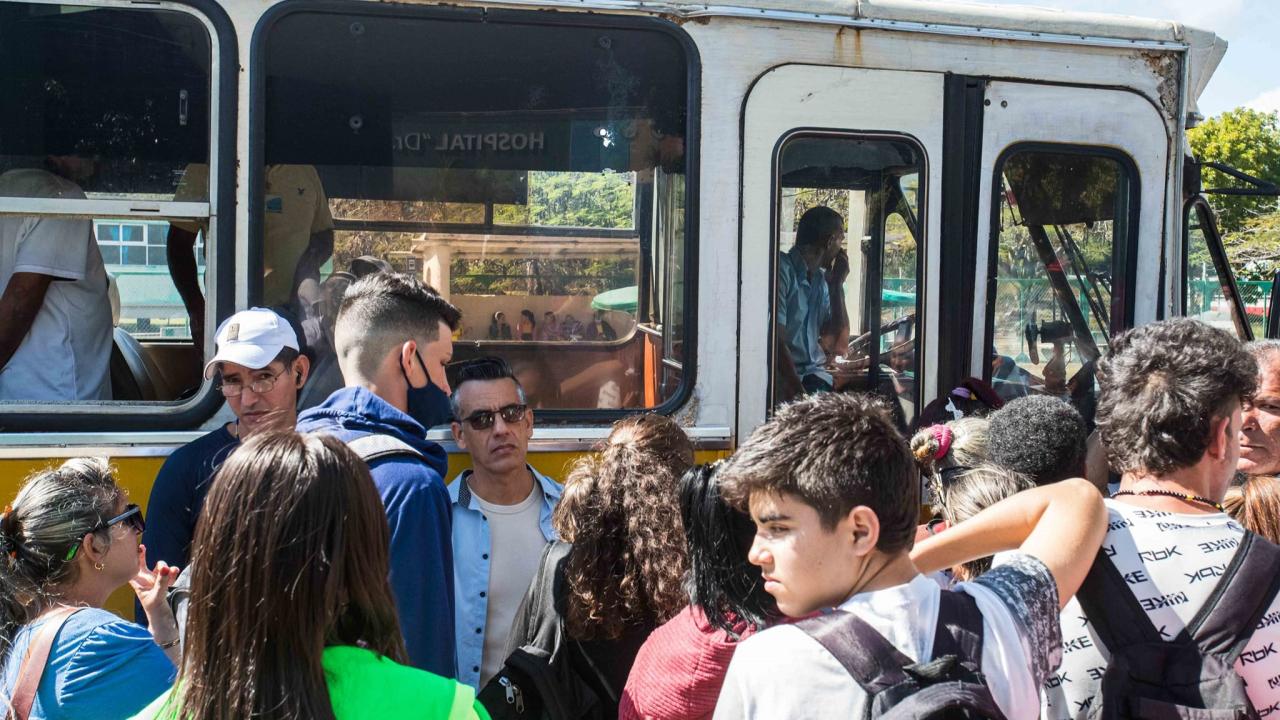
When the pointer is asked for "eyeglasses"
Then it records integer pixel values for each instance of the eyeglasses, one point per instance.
(260, 386)
(132, 516)
(483, 419)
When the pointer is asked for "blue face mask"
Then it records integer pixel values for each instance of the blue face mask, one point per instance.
(429, 405)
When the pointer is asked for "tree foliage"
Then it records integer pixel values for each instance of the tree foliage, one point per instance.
(1248, 140)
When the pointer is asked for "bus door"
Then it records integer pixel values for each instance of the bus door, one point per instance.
(1071, 217)
(866, 146)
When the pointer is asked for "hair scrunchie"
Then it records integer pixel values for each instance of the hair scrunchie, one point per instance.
(943, 436)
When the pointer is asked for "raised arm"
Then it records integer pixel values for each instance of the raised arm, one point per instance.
(1062, 525)
(180, 248)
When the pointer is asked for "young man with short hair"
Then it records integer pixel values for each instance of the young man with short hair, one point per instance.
(260, 367)
(1169, 414)
(393, 337)
(833, 490)
(501, 514)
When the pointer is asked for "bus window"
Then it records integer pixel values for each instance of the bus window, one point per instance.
(1208, 294)
(106, 109)
(534, 174)
(1066, 220)
(847, 268)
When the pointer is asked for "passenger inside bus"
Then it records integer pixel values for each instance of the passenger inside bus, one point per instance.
(861, 334)
(297, 239)
(55, 341)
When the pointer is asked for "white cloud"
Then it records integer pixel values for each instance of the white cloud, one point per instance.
(1268, 101)
(1215, 15)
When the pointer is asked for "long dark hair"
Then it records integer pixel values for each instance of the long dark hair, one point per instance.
(290, 557)
(619, 511)
(722, 582)
(53, 512)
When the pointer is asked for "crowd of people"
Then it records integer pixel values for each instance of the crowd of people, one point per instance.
(328, 570)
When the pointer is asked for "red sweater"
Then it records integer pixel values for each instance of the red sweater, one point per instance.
(679, 671)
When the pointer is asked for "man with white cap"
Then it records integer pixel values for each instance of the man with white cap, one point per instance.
(259, 368)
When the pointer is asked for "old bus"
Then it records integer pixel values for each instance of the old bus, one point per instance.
(605, 188)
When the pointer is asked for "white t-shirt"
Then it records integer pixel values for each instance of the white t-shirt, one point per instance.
(66, 355)
(516, 541)
(784, 673)
(1172, 562)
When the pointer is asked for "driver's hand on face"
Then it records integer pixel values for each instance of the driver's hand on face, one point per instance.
(839, 267)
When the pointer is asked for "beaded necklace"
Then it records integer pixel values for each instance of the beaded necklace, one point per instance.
(1186, 497)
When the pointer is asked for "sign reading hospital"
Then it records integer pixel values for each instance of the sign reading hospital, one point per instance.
(472, 142)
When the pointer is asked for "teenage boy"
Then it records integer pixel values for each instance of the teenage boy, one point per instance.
(259, 367)
(501, 514)
(832, 489)
(393, 337)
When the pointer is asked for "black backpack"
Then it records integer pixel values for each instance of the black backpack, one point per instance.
(538, 681)
(1193, 674)
(949, 686)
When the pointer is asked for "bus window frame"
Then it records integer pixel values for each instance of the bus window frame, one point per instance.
(1124, 260)
(692, 147)
(1213, 243)
(220, 211)
(875, 266)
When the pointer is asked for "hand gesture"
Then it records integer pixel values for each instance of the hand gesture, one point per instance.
(152, 586)
(839, 267)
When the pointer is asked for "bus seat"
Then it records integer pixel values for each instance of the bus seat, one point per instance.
(134, 376)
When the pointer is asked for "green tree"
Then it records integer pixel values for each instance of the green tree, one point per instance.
(1248, 140)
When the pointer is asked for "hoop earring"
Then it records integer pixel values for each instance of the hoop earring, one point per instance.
(99, 567)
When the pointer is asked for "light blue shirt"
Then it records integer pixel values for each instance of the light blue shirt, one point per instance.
(804, 306)
(471, 548)
(99, 667)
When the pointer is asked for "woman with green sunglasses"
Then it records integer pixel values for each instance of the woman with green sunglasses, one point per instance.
(66, 543)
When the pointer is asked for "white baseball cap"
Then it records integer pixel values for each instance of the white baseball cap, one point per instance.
(252, 338)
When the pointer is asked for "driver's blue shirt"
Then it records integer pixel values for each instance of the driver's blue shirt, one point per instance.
(804, 306)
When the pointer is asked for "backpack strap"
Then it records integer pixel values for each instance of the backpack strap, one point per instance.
(375, 446)
(537, 621)
(1227, 620)
(35, 660)
(960, 628)
(873, 662)
(1112, 609)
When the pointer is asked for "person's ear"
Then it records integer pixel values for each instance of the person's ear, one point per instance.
(94, 549)
(458, 436)
(1221, 437)
(862, 526)
(301, 370)
(409, 363)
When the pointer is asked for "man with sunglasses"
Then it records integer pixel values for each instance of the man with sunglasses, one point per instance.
(259, 368)
(501, 513)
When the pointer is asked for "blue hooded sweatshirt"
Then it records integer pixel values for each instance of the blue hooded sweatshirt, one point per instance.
(419, 513)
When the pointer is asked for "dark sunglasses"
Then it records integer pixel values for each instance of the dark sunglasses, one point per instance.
(483, 419)
(132, 516)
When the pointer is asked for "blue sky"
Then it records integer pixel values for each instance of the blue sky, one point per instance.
(1247, 75)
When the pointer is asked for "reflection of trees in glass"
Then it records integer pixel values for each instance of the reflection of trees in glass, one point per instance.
(899, 249)
(806, 198)
(573, 199)
(527, 276)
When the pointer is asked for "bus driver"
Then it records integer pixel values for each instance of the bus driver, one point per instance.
(811, 308)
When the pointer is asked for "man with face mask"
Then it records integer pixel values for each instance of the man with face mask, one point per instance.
(393, 338)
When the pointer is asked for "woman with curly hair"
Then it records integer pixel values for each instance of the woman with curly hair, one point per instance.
(622, 575)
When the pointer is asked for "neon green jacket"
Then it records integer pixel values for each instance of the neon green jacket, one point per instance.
(363, 685)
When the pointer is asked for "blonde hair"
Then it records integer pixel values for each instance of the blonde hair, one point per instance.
(968, 446)
(969, 493)
(1256, 505)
